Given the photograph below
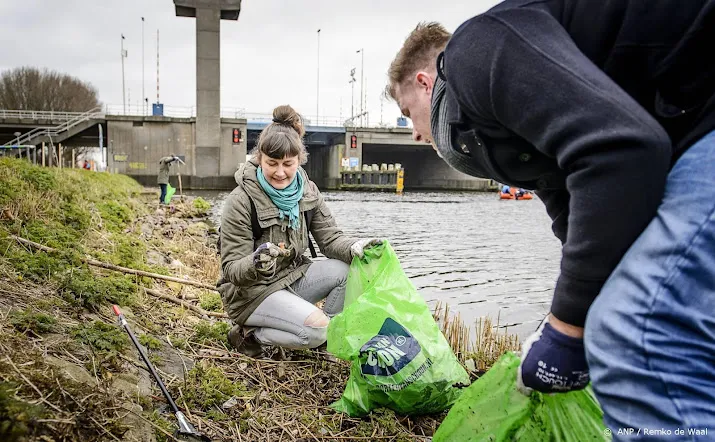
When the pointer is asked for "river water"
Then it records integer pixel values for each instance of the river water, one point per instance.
(481, 255)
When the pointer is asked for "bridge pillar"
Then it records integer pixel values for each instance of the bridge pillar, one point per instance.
(335, 156)
(208, 14)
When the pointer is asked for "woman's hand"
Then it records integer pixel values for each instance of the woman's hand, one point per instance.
(266, 256)
(358, 247)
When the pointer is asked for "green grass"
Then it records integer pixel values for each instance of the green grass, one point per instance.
(17, 417)
(211, 301)
(60, 208)
(201, 206)
(207, 387)
(206, 332)
(82, 288)
(150, 342)
(106, 342)
(36, 322)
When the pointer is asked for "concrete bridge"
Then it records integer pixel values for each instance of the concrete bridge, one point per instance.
(133, 144)
(213, 143)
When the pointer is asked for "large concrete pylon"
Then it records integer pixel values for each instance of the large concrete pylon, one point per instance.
(208, 14)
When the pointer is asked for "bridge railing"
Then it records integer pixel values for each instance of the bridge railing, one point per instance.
(38, 115)
(137, 110)
(187, 112)
(27, 137)
(169, 111)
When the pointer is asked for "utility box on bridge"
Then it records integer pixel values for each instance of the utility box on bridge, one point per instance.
(157, 109)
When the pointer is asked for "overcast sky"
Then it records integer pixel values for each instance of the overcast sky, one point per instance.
(268, 57)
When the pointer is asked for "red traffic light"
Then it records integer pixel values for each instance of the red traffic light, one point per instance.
(353, 141)
(236, 136)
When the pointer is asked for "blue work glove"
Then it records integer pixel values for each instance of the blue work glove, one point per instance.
(552, 362)
(358, 247)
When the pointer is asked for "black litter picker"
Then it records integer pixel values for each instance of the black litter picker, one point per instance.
(186, 431)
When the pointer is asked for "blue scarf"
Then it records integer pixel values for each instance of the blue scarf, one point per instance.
(285, 199)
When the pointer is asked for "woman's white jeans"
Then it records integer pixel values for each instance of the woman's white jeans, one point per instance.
(280, 320)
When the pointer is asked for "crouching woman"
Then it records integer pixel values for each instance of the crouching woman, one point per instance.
(269, 288)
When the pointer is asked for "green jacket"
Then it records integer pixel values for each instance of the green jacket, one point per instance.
(164, 164)
(242, 288)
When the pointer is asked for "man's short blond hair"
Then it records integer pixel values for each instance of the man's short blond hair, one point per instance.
(419, 51)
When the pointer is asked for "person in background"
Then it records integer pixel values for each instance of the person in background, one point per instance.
(268, 286)
(607, 109)
(163, 178)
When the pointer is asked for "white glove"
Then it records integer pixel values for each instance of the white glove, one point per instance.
(358, 247)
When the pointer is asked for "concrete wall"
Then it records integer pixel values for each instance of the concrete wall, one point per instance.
(316, 167)
(323, 166)
(424, 170)
(136, 145)
(231, 155)
(392, 136)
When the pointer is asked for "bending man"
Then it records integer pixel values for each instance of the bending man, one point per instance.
(607, 111)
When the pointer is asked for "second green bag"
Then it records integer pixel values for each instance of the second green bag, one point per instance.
(400, 358)
(170, 191)
(492, 409)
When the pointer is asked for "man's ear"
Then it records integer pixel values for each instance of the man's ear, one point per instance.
(425, 82)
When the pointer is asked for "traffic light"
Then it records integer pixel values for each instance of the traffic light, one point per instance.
(236, 135)
(353, 141)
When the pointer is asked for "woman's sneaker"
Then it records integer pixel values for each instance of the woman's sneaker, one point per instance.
(323, 353)
(244, 341)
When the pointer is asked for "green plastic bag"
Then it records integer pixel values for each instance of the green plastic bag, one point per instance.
(492, 409)
(170, 191)
(400, 358)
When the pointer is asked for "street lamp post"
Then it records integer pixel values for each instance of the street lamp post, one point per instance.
(382, 100)
(124, 95)
(352, 96)
(143, 75)
(361, 51)
(317, 104)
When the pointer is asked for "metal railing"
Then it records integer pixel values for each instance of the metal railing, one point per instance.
(27, 137)
(146, 111)
(38, 115)
(169, 111)
(307, 119)
(185, 112)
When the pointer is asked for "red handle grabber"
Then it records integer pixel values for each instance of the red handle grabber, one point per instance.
(186, 431)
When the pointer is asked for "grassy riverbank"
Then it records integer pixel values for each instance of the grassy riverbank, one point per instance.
(68, 372)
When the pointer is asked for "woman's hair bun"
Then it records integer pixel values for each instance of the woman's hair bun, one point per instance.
(287, 116)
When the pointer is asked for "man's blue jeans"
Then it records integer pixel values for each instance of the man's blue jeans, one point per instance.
(163, 193)
(650, 334)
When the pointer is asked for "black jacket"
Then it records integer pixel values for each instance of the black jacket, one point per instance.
(604, 94)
